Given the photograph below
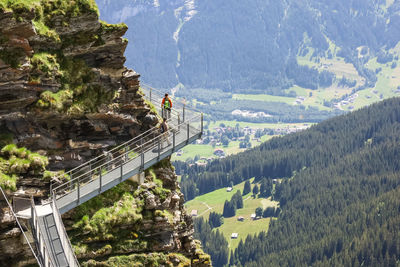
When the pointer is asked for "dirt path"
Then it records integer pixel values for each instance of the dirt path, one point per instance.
(208, 208)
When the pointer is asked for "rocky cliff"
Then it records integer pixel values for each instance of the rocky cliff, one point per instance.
(65, 97)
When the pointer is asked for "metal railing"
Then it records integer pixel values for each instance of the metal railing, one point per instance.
(180, 107)
(173, 122)
(117, 157)
(45, 257)
(66, 244)
(132, 150)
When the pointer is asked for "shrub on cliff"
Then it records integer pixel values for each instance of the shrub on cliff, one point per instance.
(16, 161)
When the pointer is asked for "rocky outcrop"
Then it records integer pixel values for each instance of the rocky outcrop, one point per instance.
(153, 220)
(65, 93)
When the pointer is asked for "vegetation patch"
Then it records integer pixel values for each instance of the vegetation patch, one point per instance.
(12, 56)
(45, 63)
(112, 218)
(151, 259)
(103, 224)
(159, 190)
(109, 28)
(78, 94)
(16, 161)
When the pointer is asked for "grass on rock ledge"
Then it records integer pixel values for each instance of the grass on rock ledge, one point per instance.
(16, 162)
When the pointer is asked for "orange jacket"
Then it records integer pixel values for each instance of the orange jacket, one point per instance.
(165, 105)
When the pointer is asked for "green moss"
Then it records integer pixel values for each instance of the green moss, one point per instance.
(183, 261)
(106, 199)
(134, 260)
(12, 56)
(16, 161)
(3, 6)
(107, 28)
(46, 63)
(44, 30)
(159, 190)
(8, 182)
(49, 175)
(55, 101)
(148, 259)
(77, 95)
(101, 216)
(90, 99)
(101, 225)
(50, 7)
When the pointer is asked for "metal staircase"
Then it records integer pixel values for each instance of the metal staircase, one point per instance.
(90, 179)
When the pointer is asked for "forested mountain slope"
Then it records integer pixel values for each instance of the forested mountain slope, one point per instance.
(237, 45)
(339, 196)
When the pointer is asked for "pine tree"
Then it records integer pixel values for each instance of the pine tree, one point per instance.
(255, 190)
(239, 200)
(259, 212)
(247, 188)
(231, 259)
(226, 210)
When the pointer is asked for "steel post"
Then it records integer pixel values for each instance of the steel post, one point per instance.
(201, 133)
(122, 172)
(188, 134)
(79, 190)
(183, 114)
(173, 141)
(101, 180)
(159, 147)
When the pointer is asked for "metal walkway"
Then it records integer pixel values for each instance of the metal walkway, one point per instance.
(90, 179)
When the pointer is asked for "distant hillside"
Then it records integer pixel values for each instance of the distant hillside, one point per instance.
(241, 45)
(339, 196)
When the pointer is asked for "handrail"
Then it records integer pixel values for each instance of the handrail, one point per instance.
(115, 149)
(66, 243)
(46, 260)
(121, 154)
(161, 94)
(177, 104)
(20, 227)
(121, 159)
(174, 114)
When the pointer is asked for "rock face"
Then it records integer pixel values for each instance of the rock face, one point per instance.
(65, 93)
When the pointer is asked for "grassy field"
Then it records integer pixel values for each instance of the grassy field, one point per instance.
(190, 151)
(386, 85)
(388, 81)
(214, 201)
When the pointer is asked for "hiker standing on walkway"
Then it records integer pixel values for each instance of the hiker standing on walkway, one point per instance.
(164, 133)
(166, 106)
